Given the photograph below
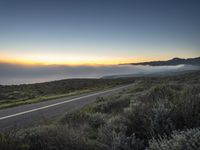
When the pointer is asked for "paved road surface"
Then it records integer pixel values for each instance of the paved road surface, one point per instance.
(22, 116)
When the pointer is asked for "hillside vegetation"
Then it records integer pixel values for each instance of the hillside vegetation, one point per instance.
(13, 95)
(157, 114)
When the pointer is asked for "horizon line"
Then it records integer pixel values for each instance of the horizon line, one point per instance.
(23, 63)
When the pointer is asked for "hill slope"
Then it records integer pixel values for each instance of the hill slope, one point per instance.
(172, 62)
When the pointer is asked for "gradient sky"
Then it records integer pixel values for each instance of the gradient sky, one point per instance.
(77, 32)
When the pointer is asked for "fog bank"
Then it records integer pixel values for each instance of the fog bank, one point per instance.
(20, 74)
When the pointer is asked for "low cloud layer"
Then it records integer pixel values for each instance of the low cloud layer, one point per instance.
(19, 74)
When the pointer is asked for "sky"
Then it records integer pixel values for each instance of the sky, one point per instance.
(97, 32)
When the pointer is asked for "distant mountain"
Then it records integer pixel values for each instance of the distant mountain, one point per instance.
(172, 62)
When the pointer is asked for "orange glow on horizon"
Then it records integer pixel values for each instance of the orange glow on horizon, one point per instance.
(69, 60)
(62, 60)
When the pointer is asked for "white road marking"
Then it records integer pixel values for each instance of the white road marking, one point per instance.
(59, 103)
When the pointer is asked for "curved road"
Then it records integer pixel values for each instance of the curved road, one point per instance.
(22, 116)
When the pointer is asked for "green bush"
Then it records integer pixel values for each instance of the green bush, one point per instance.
(163, 110)
(113, 126)
(187, 108)
(11, 141)
(112, 136)
(162, 119)
(160, 93)
(113, 104)
(55, 138)
(123, 142)
(6, 143)
(179, 140)
(140, 120)
(75, 119)
(96, 120)
(78, 118)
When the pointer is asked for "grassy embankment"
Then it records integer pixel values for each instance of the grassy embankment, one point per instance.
(15, 95)
(157, 114)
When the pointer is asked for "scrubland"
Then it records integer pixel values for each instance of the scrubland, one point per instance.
(156, 114)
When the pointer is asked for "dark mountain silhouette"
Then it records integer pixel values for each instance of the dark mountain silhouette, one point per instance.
(172, 62)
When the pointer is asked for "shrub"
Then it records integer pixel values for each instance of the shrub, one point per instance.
(161, 92)
(123, 142)
(75, 119)
(117, 123)
(187, 108)
(55, 138)
(179, 140)
(109, 105)
(113, 136)
(114, 125)
(11, 141)
(78, 118)
(139, 122)
(163, 110)
(96, 120)
(5, 142)
(162, 122)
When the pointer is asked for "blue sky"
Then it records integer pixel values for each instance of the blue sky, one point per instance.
(98, 31)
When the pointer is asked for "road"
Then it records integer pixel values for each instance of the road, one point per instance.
(26, 115)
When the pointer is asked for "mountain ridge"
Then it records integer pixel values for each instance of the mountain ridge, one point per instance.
(172, 62)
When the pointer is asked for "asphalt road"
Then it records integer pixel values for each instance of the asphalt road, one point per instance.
(26, 115)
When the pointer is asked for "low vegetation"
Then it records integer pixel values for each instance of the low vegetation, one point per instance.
(14, 95)
(157, 114)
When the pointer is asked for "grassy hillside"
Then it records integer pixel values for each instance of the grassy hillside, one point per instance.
(30, 93)
(157, 114)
